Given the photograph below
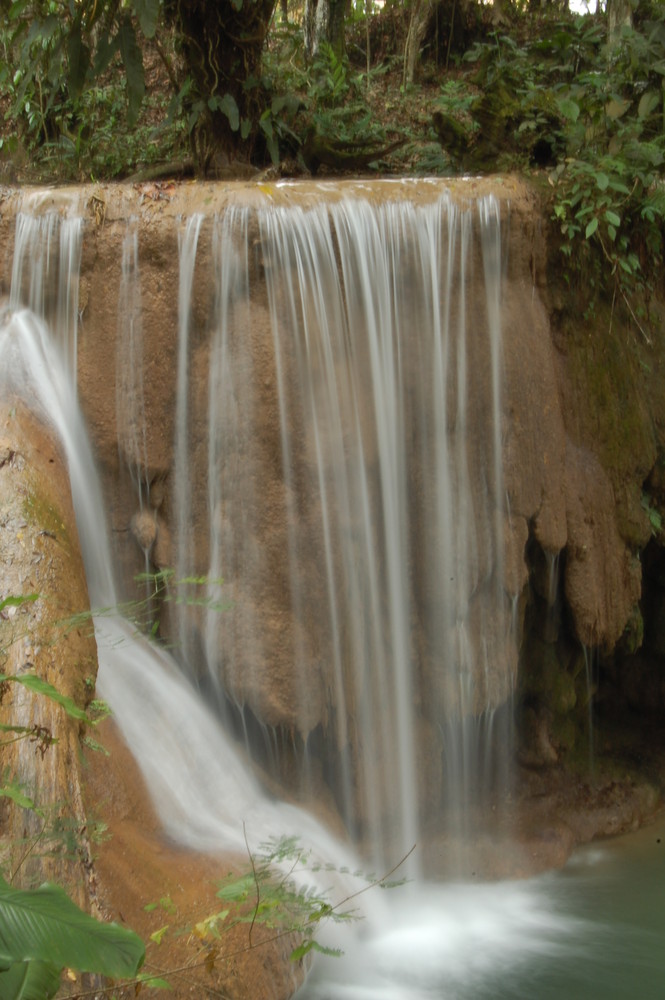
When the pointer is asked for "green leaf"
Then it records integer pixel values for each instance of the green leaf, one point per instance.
(612, 218)
(238, 889)
(602, 180)
(29, 981)
(16, 602)
(132, 59)
(106, 50)
(591, 228)
(14, 792)
(648, 103)
(616, 108)
(147, 12)
(39, 686)
(311, 945)
(152, 982)
(302, 950)
(227, 105)
(78, 56)
(157, 936)
(569, 109)
(44, 925)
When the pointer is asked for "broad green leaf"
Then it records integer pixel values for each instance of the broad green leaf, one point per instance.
(591, 228)
(132, 59)
(106, 50)
(616, 108)
(227, 105)
(569, 109)
(39, 686)
(612, 218)
(29, 981)
(602, 180)
(147, 12)
(648, 103)
(17, 8)
(45, 925)
(43, 30)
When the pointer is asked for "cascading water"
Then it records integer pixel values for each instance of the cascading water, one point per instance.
(45, 272)
(377, 367)
(393, 625)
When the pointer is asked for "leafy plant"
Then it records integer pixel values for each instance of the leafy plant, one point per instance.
(43, 932)
(277, 894)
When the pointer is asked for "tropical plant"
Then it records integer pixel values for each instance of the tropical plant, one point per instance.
(43, 932)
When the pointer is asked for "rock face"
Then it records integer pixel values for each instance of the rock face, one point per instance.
(580, 436)
(41, 561)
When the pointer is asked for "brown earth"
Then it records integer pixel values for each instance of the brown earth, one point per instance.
(144, 882)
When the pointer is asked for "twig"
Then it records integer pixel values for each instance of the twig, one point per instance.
(256, 883)
(377, 881)
(26, 854)
(623, 294)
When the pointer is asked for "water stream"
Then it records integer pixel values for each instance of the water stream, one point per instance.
(377, 354)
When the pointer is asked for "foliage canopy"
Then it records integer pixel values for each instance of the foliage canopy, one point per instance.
(99, 89)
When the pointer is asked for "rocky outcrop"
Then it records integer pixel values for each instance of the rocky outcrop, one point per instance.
(581, 439)
(48, 635)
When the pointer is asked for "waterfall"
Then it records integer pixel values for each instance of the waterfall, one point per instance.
(366, 571)
(130, 365)
(187, 241)
(344, 502)
(45, 271)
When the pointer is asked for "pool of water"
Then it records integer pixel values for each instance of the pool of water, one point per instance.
(593, 931)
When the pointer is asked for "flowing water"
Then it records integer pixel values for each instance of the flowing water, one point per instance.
(386, 382)
(377, 359)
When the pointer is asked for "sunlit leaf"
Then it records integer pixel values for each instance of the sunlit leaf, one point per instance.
(17, 601)
(39, 686)
(157, 936)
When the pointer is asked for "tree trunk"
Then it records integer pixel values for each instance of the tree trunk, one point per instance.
(221, 48)
(420, 18)
(619, 15)
(323, 21)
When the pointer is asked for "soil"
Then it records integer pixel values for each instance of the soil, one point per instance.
(162, 891)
